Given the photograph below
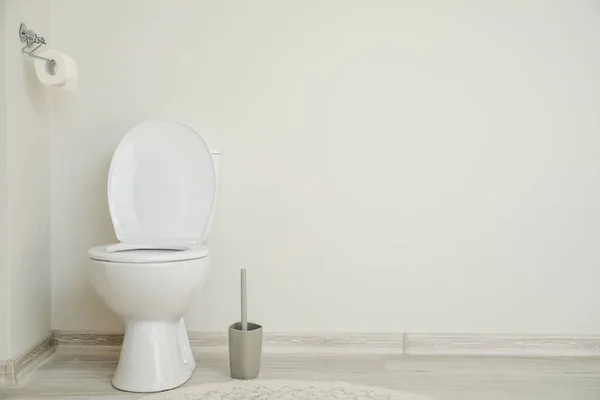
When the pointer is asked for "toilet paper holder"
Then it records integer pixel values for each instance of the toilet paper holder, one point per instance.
(31, 39)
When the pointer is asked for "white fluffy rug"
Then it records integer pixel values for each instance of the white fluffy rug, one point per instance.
(282, 390)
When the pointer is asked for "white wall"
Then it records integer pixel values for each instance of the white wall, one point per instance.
(4, 276)
(388, 166)
(28, 182)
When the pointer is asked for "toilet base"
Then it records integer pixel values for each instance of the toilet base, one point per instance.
(155, 356)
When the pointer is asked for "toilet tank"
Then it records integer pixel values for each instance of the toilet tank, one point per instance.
(216, 157)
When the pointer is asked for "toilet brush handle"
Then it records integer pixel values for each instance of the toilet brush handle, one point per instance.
(244, 301)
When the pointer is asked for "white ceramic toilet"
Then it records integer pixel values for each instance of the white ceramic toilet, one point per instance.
(161, 194)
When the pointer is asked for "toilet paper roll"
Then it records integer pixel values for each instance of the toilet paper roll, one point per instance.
(62, 73)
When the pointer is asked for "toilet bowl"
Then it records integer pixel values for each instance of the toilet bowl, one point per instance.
(161, 195)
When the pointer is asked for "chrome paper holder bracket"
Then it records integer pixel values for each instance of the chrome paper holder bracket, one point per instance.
(32, 42)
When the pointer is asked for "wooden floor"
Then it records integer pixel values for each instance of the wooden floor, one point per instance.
(86, 374)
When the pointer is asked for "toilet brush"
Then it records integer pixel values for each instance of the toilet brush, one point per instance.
(245, 341)
(244, 301)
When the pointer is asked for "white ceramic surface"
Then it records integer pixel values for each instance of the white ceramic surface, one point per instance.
(161, 184)
(151, 299)
(124, 252)
(161, 195)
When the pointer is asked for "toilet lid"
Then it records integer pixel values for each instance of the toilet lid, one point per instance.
(161, 184)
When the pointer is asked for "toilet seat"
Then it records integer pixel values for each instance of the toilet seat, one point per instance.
(148, 253)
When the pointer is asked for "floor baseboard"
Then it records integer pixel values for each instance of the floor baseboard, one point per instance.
(503, 345)
(378, 343)
(272, 343)
(16, 369)
(2, 373)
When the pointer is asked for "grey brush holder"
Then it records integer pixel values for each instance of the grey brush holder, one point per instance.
(245, 349)
(245, 342)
